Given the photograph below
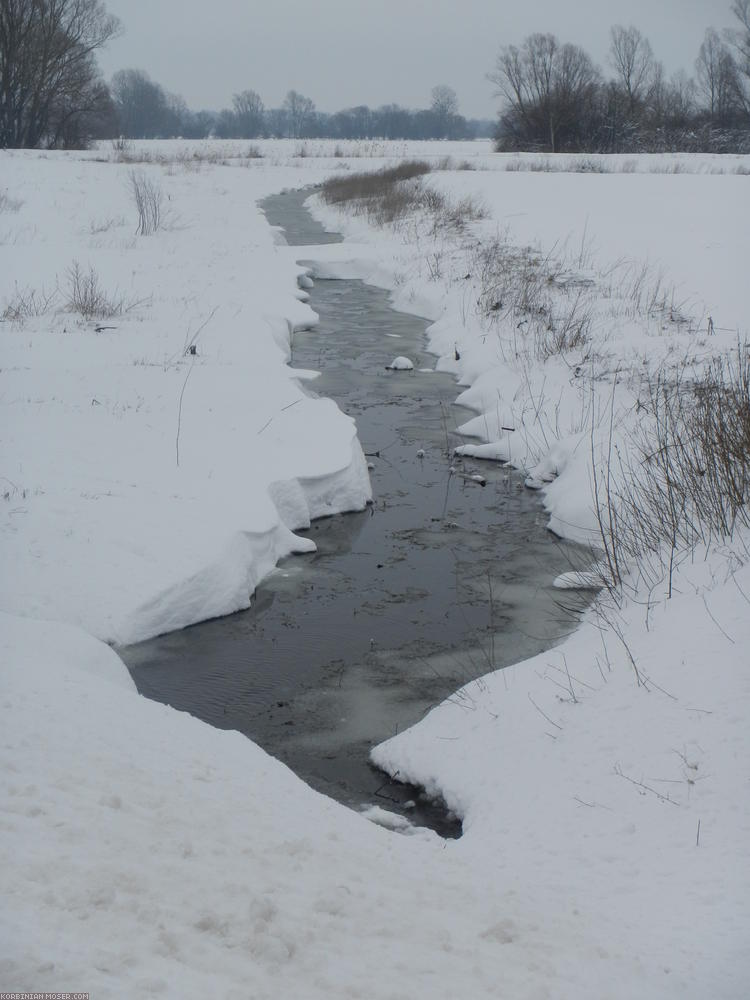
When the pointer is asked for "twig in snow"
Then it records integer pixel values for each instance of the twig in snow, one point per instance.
(179, 415)
(646, 788)
(551, 721)
(190, 341)
(705, 604)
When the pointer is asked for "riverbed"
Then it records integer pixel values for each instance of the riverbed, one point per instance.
(446, 576)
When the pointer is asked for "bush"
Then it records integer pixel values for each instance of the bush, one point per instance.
(148, 197)
(26, 303)
(87, 297)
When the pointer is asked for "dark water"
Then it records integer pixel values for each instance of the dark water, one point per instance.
(439, 581)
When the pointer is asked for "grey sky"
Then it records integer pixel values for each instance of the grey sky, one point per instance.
(347, 52)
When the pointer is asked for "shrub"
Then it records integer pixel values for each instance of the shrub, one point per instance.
(26, 303)
(148, 197)
(87, 297)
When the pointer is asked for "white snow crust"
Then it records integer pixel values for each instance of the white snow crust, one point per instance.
(602, 785)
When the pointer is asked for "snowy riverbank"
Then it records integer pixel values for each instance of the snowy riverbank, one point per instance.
(148, 487)
(603, 785)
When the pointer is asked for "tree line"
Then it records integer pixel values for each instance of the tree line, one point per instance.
(145, 110)
(53, 95)
(557, 100)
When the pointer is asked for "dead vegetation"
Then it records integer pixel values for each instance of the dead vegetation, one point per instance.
(674, 473)
(87, 297)
(148, 198)
(8, 204)
(190, 159)
(684, 479)
(27, 303)
(388, 196)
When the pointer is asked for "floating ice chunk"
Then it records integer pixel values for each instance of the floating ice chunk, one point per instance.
(400, 364)
(390, 820)
(400, 824)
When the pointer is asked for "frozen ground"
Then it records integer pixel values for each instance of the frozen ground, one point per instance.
(607, 828)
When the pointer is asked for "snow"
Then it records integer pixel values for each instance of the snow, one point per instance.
(602, 785)
(578, 581)
(154, 488)
(700, 245)
(605, 781)
(401, 364)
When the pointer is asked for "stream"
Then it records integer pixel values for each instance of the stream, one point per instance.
(439, 581)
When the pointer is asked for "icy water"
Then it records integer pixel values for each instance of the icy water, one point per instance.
(439, 581)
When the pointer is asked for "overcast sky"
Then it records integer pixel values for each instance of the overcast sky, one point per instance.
(347, 52)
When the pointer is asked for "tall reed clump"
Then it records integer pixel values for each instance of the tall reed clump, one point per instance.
(389, 195)
(684, 480)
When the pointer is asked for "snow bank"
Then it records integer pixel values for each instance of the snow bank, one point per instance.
(145, 852)
(147, 487)
(596, 770)
(622, 798)
(602, 787)
(401, 364)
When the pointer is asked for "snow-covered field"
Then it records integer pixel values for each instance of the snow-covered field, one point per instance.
(603, 785)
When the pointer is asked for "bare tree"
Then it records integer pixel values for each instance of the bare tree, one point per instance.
(444, 107)
(741, 35)
(249, 112)
(352, 123)
(677, 101)
(548, 88)
(740, 41)
(717, 77)
(47, 66)
(633, 60)
(82, 110)
(300, 113)
(142, 105)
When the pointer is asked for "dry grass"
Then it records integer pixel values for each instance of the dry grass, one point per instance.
(520, 288)
(8, 204)
(89, 299)
(684, 479)
(371, 185)
(27, 303)
(387, 196)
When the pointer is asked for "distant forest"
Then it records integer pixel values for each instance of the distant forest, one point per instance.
(555, 98)
(145, 110)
